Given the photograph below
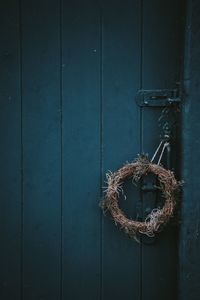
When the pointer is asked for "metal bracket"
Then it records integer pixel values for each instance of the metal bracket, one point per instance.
(149, 187)
(157, 98)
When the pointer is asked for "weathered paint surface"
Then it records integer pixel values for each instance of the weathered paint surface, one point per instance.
(189, 265)
(69, 73)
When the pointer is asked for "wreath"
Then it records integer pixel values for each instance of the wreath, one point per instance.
(159, 216)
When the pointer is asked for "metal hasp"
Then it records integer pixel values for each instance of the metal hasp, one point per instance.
(157, 98)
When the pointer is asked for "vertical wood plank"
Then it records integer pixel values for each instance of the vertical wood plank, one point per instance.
(189, 242)
(10, 152)
(121, 138)
(41, 149)
(161, 69)
(81, 150)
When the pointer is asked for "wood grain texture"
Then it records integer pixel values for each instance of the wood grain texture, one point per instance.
(10, 152)
(189, 243)
(41, 149)
(121, 138)
(81, 149)
(69, 74)
(160, 70)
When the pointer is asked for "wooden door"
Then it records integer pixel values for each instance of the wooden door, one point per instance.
(70, 71)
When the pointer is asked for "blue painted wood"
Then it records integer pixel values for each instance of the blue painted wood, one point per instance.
(121, 55)
(161, 69)
(79, 65)
(10, 152)
(189, 242)
(41, 149)
(81, 150)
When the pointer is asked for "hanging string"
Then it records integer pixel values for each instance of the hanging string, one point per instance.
(158, 148)
(164, 144)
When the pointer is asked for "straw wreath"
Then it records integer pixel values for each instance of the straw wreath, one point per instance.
(159, 216)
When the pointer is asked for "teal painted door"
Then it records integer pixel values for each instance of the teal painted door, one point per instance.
(70, 71)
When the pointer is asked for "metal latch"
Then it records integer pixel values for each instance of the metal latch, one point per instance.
(157, 98)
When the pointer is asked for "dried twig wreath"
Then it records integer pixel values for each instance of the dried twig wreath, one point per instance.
(158, 216)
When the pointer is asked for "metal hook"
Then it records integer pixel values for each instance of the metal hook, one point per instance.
(166, 145)
(158, 148)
